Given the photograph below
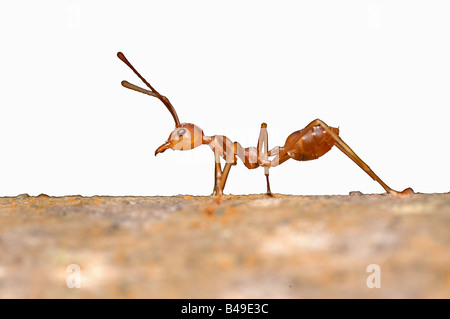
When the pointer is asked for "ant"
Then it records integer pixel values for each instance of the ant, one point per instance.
(310, 143)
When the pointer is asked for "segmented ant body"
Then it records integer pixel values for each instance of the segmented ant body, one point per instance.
(310, 143)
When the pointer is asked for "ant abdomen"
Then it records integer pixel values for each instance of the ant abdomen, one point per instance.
(310, 144)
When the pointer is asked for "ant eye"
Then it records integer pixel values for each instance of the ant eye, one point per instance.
(181, 132)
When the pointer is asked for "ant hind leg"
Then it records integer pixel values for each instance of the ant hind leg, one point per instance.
(355, 158)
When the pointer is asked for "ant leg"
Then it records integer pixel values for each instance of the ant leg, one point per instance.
(225, 172)
(217, 175)
(263, 148)
(215, 180)
(355, 158)
(268, 185)
(220, 176)
(280, 154)
(274, 151)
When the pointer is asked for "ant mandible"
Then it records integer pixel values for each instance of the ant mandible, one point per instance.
(310, 143)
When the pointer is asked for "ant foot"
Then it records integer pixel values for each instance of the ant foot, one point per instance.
(217, 196)
(406, 192)
(217, 192)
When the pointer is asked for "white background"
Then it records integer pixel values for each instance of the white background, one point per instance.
(380, 70)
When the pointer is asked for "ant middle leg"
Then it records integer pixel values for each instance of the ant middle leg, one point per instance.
(263, 152)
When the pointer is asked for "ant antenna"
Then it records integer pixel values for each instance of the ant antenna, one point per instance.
(130, 86)
(153, 92)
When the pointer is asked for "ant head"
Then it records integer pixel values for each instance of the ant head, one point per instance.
(184, 137)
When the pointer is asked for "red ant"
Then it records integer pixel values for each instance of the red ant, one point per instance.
(310, 143)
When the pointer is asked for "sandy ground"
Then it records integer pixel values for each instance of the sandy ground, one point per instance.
(245, 247)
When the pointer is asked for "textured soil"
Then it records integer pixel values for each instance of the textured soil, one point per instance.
(243, 247)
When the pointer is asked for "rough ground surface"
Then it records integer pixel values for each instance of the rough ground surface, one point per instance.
(246, 246)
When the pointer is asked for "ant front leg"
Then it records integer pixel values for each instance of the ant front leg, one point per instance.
(217, 175)
(221, 146)
(220, 176)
